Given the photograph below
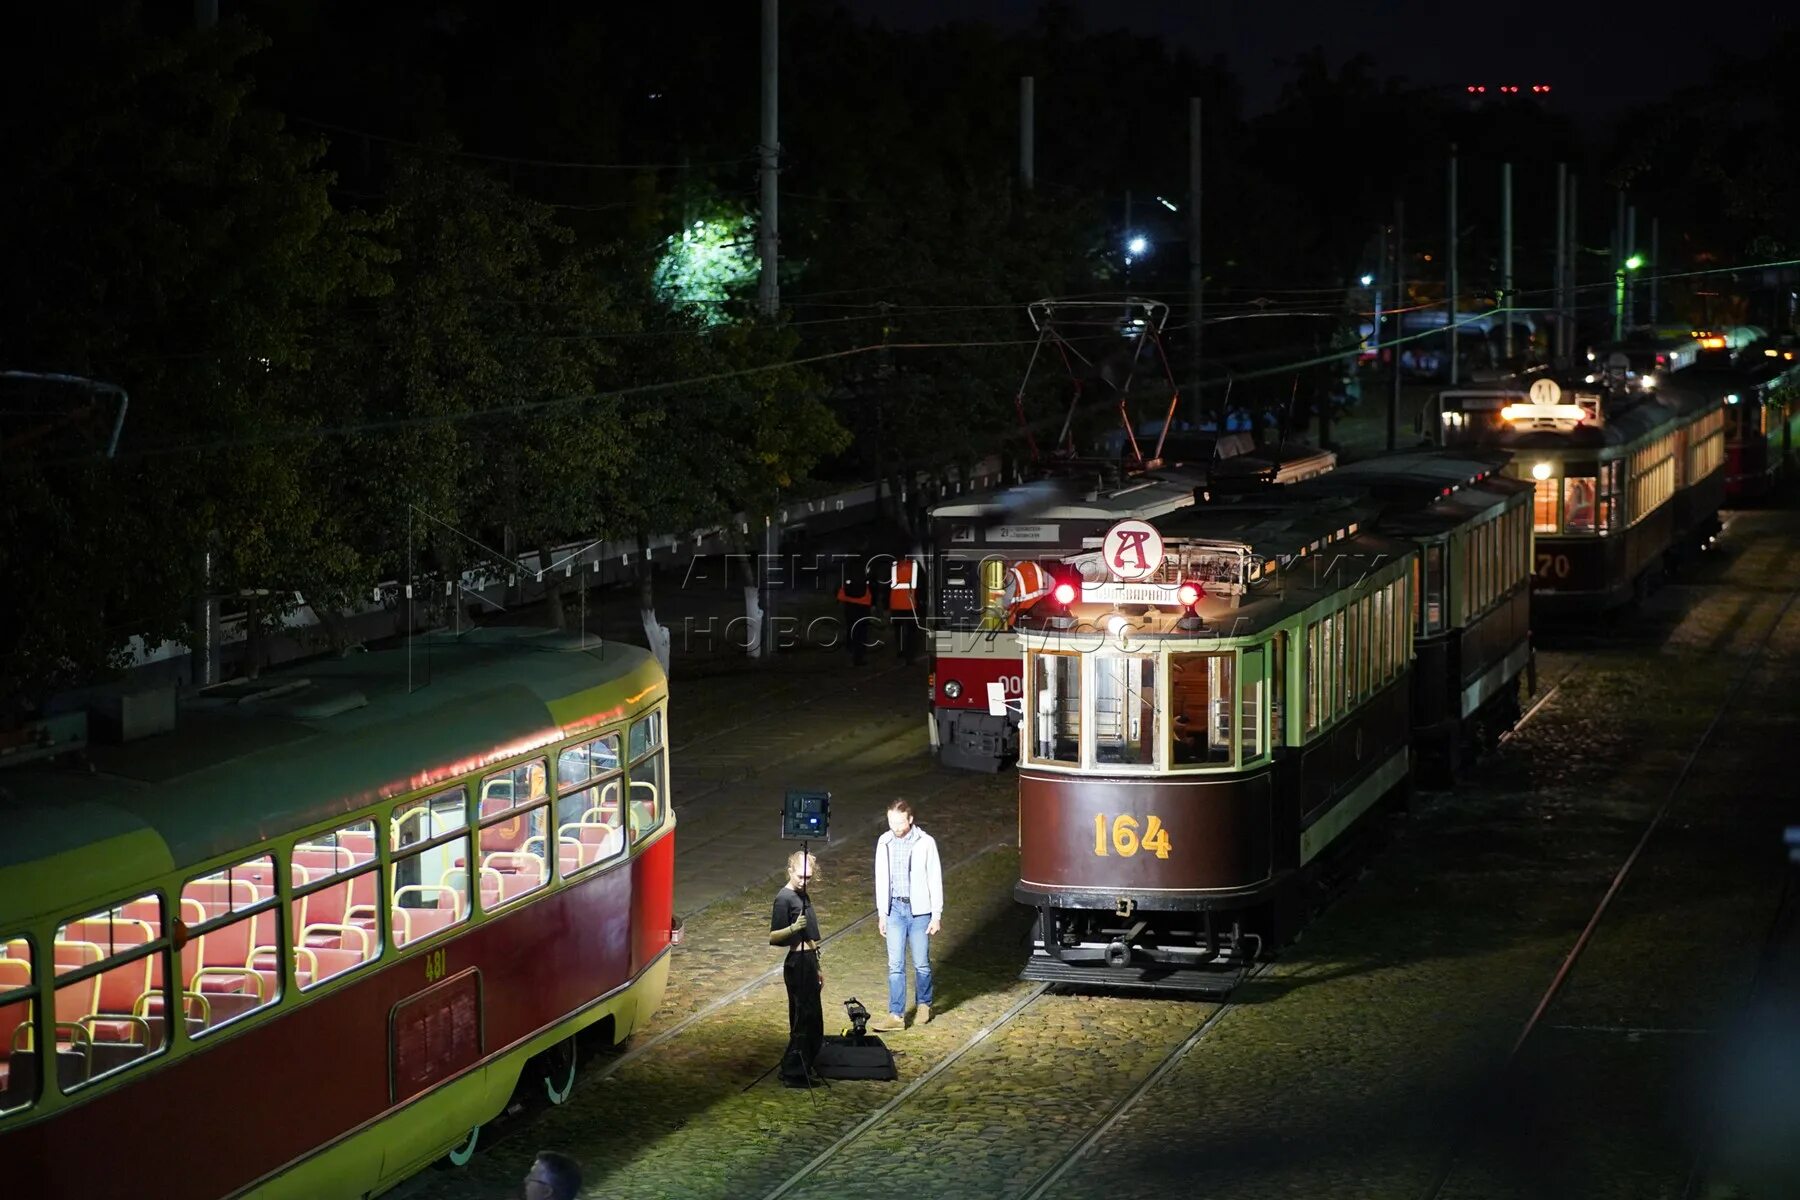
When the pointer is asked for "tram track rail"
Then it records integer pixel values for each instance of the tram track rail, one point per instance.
(1445, 1168)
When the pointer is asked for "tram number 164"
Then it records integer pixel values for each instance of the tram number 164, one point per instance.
(1125, 839)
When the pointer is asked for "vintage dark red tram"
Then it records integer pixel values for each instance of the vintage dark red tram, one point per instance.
(1760, 391)
(1224, 697)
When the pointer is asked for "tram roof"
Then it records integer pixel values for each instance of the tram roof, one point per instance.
(1425, 493)
(298, 748)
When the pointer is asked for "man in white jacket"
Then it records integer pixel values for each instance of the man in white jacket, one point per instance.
(909, 905)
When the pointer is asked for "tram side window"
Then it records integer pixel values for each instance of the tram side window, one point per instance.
(1250, 706)
(1202, 690)
(1579, 500)
(239, 965)
(1311, 683)
(109, 991)
(1434, 587)
(1278, 689)
(1351, 691)
(590, 816)
(1125, 710)
(1609, 496)
(515, 822)
(1056, 707)
(19, 1060)
(429, 880)
(646, 774)
(1543, 506)
(336, 910)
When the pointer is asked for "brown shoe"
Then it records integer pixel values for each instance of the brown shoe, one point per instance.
(922, 1016)
(887, 1023)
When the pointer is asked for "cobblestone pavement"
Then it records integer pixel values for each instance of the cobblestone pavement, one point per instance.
(1357, 1063)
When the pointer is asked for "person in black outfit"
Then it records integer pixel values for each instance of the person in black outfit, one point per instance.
(796, 926)
(857, 601)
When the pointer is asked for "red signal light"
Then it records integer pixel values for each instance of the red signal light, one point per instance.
(1189, 592)
(1064, 592)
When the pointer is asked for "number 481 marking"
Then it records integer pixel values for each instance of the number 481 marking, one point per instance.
(1125, 840)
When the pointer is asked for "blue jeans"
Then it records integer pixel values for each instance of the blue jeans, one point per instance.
(905, 927)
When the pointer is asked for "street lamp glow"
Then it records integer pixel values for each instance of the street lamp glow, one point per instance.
(1168, 204)
(1367, 280)
(1634, 262)
(1137, 244)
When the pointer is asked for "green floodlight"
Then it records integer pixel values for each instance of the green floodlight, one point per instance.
(1634, 262)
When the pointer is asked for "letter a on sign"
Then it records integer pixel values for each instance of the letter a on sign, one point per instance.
(1133, 551)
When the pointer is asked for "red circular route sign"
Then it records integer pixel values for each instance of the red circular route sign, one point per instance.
(1133, 550)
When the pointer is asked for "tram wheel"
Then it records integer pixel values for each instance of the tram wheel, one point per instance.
(557, 1068)
(459, 1156)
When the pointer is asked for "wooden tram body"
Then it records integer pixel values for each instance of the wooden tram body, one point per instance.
(1470, 527)
(976, 539)
(293, 870)
(1182, 768)
(1625, 482)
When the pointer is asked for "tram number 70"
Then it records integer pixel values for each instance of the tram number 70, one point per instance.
(435, 966)
(1125, 839)
(1553, 566)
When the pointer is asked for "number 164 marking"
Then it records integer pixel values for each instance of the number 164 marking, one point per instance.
(1125, 840)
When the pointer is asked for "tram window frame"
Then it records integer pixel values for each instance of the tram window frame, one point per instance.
(13, 992)
(440, 842)
(1546, 504)
(138, 960)
(370, 939)
(1578, 483)
(516, 826)
(1136, 701)
(654, 756)
(1034, 714)
(1216, 749)
(1278, 689)
(1252, 691)
(1433, 599)
(594, 786)
(1310, 671)
(278, 941)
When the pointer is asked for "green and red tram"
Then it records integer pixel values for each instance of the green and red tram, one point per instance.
(316, 934)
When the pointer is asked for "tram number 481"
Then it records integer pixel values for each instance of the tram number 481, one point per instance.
(1125, 839)
(435, 966)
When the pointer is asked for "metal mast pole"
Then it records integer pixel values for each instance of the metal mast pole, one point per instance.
(1450, 274)
(1561, 350)
(1630, 249)
(1027, 130)
(1572, 269)
(1196, 281)
(768, 288)
(1393, 413)
(1506, 261)
(1618, 266)
(1655, 266)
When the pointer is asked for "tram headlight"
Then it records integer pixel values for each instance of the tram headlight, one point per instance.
(1117, 625)
(1540, 470)
(952, 689)
(1188, 593)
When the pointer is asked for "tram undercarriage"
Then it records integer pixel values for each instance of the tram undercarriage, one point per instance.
(1203, 951)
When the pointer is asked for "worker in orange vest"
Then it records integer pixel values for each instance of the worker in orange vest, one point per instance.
(857, 602)
(1026, 584)
(903, 591)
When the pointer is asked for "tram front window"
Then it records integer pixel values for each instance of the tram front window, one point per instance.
(1202, 693)
(1125, 710)
(1056, 707)
(1578, 504)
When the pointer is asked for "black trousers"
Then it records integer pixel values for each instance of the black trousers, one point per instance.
(806, 1016)
(906, 633)
(859, 630)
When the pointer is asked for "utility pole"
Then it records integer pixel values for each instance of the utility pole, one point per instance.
(1506, 262)
(1655, 266)
(1393, 413)
(768, 290)
(1561, 351)
(1450, 274)
(1572, 269)
(1196, 281)
(1630, 249)
(1027, 130)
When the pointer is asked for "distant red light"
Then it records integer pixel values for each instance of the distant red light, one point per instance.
(1471, 89)
(1064, 593)
(1482, 88)
(1546, 87)
(1188, 593)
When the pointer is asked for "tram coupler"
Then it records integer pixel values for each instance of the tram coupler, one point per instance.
(1118, 951)
(1125, 907)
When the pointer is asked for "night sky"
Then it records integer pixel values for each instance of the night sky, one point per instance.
(1598, 63)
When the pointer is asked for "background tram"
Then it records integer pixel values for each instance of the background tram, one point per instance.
(1195, 740)
(315, 934)
(1626, 482)
(1760, 391)
(976, 539)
